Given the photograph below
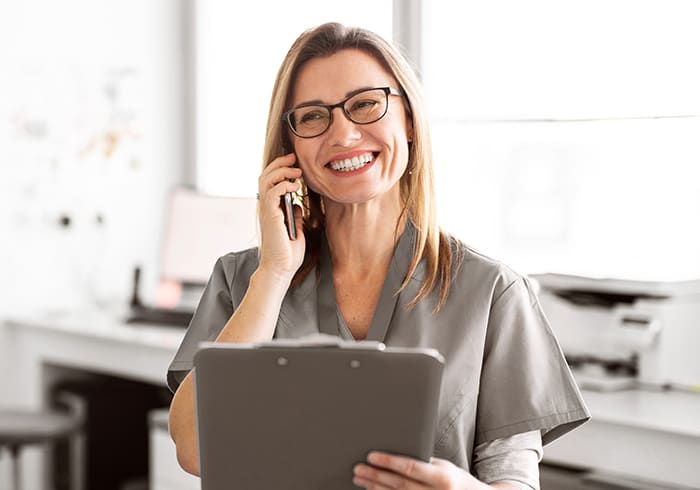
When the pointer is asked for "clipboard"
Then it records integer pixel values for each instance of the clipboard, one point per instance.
(289, 415)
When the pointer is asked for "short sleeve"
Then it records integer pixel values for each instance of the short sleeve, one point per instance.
(526, 383)
(514, 459)
(213, 311)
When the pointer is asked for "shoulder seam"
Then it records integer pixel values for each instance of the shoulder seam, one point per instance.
(505, 290)
(230, 280)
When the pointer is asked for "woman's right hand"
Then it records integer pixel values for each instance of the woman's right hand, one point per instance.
(279, 254)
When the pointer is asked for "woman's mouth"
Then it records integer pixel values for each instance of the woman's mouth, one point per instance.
(351, 164)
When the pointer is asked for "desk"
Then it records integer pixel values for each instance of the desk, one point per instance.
(636, 434)
(643, 434)
(91, 341)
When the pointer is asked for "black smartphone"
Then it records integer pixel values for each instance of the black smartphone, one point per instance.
(288, 209)
(287, 203)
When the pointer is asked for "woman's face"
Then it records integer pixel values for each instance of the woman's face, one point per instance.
(381, 147)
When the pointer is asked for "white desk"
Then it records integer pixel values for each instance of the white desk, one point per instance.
(642, 434)
(638, 435)
(93, 341)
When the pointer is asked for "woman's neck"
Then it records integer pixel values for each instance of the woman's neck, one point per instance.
(361, 237)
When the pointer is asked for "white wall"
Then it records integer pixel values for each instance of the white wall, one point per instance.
(90, 124)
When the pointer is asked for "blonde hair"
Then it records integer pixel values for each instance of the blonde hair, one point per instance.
(417, 193)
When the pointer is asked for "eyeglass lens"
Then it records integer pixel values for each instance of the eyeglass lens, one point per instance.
(362, 108)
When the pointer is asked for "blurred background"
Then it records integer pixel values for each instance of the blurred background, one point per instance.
(566, 145)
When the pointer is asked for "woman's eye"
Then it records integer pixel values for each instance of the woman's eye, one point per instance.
(311, 116)
(363, 105)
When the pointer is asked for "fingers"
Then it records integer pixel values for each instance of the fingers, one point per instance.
(279, 170)
(375, 479)
(272, 196)
(369, 484)
(440, 462)
(412, 468)
(396, 472)
(388, 471)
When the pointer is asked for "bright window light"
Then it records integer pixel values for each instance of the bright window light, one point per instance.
(239, 49)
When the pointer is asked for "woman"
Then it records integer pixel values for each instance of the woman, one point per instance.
(347, 130)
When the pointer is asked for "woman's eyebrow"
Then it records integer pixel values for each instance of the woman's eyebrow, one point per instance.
(320, 102)
(309, 102)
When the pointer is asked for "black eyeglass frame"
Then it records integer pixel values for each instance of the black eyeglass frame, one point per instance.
(329, 107)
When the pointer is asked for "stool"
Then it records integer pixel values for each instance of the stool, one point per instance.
(19, 428)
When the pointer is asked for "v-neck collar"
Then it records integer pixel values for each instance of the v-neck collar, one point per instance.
(328, 311)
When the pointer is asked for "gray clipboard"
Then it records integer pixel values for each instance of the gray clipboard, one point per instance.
(280, 416)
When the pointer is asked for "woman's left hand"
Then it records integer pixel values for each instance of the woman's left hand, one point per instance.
(389, 471)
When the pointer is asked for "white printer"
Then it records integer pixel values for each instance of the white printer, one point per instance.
(640, 330)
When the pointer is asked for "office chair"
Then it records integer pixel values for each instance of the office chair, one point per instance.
(19, 428)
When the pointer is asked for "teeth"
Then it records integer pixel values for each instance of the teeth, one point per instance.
(350, 164)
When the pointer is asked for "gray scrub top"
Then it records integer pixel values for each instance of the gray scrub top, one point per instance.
(504, 372)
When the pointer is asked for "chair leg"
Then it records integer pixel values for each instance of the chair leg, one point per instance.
(14, 456)
(77, 446)
(76, 406)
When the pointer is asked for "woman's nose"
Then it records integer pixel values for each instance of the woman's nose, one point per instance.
(342, 130)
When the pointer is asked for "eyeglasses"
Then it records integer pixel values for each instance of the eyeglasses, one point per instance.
(365, 107)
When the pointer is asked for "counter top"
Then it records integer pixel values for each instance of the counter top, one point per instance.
(109, 325)
(669, 411)
(634, 435)
(649, 434)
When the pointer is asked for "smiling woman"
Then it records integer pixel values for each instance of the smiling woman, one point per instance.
(348, 128)
(333, 154)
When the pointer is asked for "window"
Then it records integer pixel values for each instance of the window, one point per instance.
(239, 50)
(547, 58)
(566, 133)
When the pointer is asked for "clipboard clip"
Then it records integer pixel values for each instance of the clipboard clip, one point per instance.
(322, 341)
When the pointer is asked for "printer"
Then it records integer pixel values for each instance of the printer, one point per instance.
(620, 333)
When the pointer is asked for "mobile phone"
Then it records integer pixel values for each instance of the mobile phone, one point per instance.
(288, 210)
